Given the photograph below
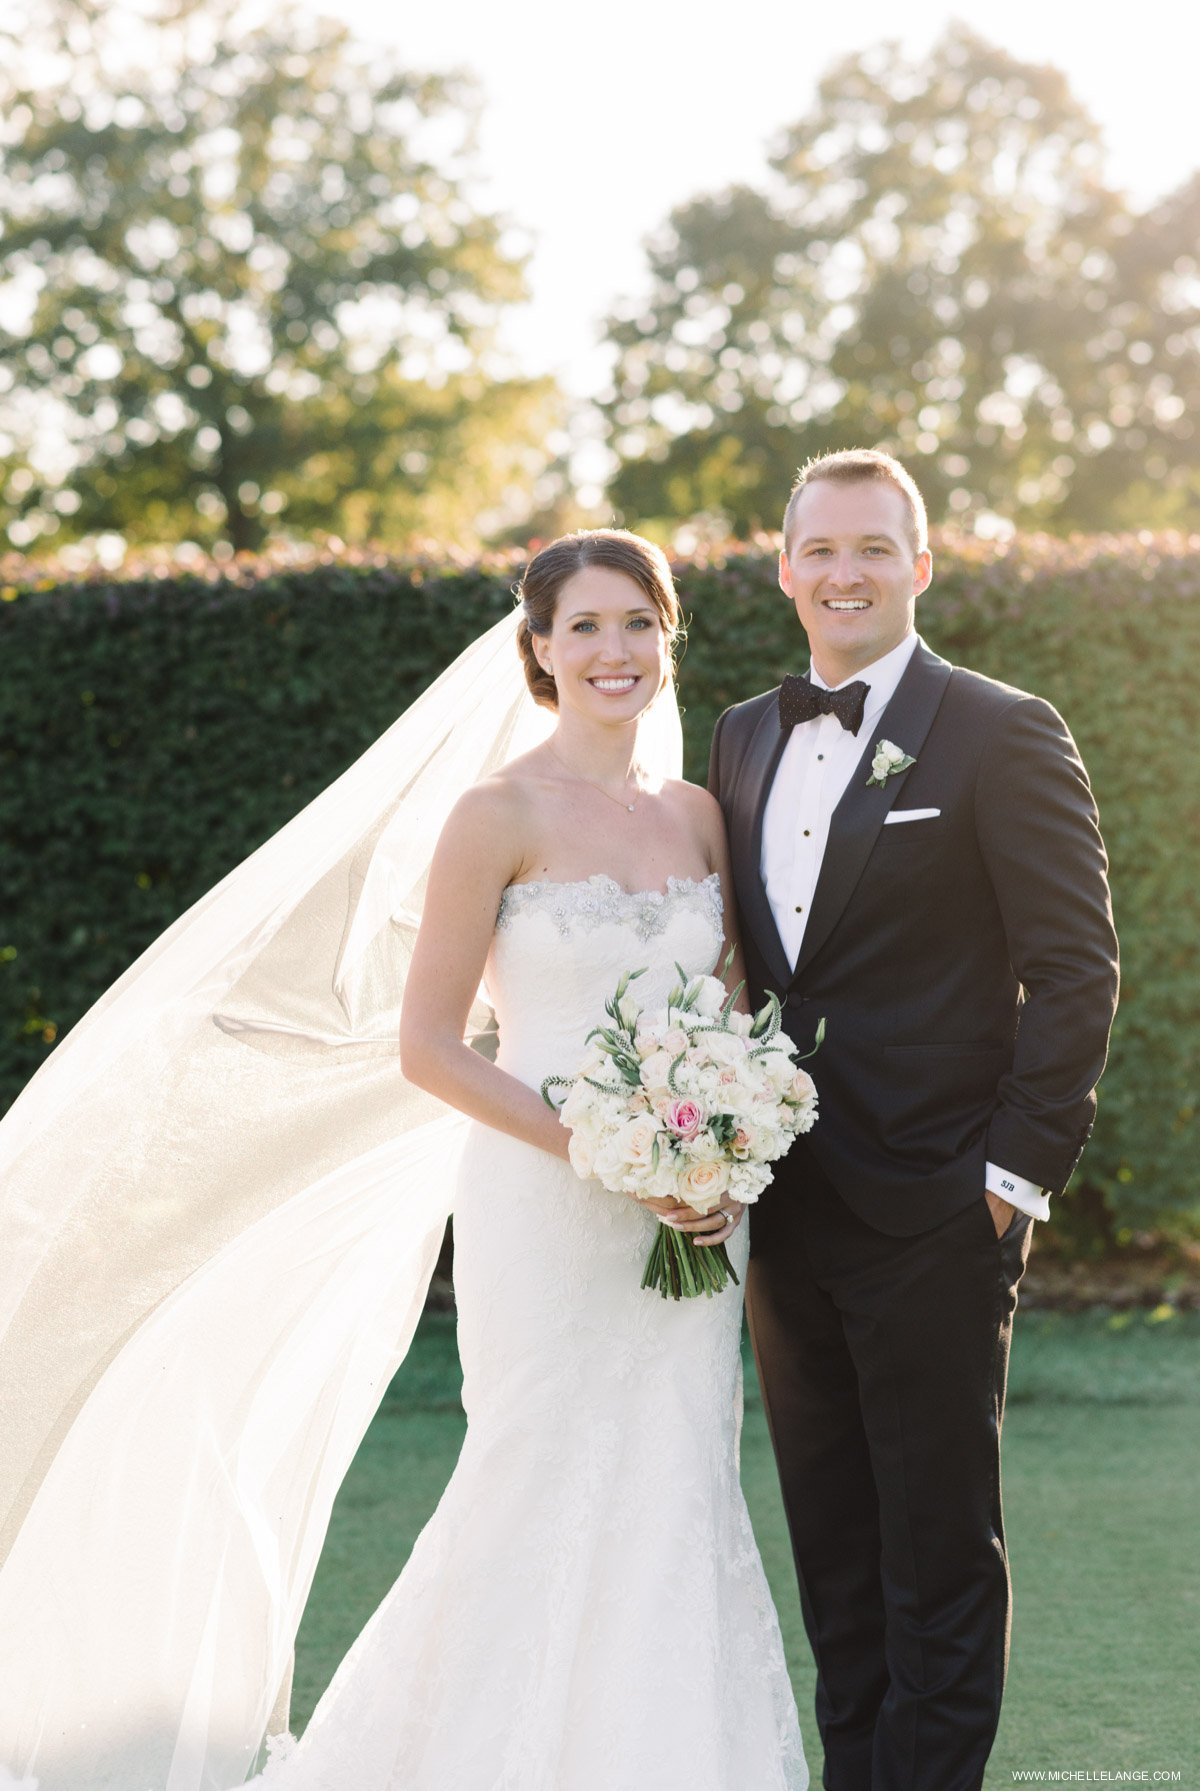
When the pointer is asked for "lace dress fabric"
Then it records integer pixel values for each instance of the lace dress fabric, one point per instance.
(587, 1609)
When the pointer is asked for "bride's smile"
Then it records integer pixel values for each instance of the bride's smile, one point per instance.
(607, 650)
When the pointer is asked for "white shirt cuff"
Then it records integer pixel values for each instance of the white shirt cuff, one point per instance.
(1027, 1197)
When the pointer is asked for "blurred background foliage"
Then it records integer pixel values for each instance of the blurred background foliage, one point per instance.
(249, 294)
(933, 263)
(154, 731)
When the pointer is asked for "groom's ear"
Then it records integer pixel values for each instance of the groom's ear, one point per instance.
(922, 572)
(785, 573)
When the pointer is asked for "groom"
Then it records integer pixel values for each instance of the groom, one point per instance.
(918, 863)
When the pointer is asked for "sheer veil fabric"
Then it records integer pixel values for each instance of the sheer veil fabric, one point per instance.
(220, 1206)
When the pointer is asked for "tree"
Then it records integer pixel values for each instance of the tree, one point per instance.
(251, 286)
(937, 265)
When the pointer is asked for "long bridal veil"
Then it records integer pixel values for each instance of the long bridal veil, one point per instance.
(220, 1206)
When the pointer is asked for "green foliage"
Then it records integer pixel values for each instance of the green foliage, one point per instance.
(155, 731)
(933, 264)
(256, 290)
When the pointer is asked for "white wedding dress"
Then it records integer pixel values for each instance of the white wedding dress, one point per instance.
(587, 1609)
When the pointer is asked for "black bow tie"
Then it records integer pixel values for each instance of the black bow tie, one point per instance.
(801, 701)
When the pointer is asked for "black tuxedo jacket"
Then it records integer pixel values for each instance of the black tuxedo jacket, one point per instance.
(965, 965)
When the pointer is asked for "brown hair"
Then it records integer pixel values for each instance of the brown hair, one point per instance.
(853, 466)
(549, 570)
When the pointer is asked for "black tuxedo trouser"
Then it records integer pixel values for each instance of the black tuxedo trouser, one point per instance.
(883, 1363)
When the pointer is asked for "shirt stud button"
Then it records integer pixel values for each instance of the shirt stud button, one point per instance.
(799, 909)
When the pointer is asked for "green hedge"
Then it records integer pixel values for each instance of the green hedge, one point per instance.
(154, 730)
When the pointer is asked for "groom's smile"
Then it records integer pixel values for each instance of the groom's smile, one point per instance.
(853, 571)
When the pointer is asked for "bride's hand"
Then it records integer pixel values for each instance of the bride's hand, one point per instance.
(705, 1228)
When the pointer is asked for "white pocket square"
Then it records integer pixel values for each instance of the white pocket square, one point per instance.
(910, 814)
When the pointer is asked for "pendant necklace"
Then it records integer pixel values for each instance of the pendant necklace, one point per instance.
(627, 806)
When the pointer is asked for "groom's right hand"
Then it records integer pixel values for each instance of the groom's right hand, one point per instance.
(1001, 1210)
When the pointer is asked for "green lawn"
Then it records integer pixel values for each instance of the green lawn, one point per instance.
(1102, 1494)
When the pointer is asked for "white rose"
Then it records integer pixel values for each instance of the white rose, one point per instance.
(664, 1183)
(735, 1097)
(655, 1070)
(590, 1127)
(579, 1108)
(711, 998)
(703, 1185)
(703, 1148)
(608, 1163)
(803, 1088)
(636, 1140)
(881, 765)
(773, 1068)
(741, 1024)
(891, 752)
(754, 1071)
(582, 1152)
(675, 1040)
(725, 1047)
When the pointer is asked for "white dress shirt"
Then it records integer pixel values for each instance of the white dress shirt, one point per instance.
(817, 765)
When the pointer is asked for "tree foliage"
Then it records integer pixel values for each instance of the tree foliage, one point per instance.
(245, 283)
(936, 264)
(154, 730)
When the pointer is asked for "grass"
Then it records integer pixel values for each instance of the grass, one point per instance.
(1102, 1495)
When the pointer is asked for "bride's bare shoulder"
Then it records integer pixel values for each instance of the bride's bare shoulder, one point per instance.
(493, 804)
(493, 816)
(700, 807)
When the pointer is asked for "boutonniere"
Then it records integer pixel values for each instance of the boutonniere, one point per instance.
(888, 761)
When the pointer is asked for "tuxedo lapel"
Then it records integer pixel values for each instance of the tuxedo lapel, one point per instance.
(856, 821)
(758, 772)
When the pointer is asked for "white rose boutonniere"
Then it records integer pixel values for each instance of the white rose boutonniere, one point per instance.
(889, 759)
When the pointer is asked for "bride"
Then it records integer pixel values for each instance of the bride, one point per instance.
(586, 1610)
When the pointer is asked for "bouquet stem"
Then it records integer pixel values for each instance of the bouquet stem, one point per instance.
(681, 1270)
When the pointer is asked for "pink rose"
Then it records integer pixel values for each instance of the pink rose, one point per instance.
(744, 1142)
(684, 1118)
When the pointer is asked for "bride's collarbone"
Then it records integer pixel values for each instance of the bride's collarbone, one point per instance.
(646, 849)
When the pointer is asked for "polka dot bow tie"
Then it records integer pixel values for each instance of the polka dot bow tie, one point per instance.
(801, 701)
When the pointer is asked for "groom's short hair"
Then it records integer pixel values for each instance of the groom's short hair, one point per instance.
(854, 466)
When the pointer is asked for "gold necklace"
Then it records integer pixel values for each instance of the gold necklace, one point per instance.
(627, 806)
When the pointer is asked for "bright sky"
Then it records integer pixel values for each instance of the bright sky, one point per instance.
(598, 119)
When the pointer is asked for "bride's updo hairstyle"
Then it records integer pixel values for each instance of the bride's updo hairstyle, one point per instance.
(549, 570)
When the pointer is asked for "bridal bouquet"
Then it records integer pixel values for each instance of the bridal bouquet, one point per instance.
(688, 1102)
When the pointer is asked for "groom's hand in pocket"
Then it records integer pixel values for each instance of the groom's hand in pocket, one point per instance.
(1001, 1211)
